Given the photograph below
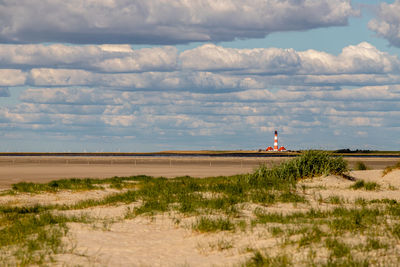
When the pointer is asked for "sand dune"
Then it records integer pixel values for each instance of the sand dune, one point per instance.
(159, 241)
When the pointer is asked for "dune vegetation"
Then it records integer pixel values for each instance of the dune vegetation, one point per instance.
(327, 231)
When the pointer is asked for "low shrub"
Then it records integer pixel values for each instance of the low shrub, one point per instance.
(360, 166)
(309, 164)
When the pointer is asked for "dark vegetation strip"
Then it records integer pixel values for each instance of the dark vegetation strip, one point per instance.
(76, 184)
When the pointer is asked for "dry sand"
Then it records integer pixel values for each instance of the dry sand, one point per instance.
(160, 241)
(44, 169)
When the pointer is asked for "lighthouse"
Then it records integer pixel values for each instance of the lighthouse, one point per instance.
(276, 147)
(276, 141)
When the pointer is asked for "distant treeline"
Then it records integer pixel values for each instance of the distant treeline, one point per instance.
(362, 151)
(347, 150)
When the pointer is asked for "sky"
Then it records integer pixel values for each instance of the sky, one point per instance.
(155, 75)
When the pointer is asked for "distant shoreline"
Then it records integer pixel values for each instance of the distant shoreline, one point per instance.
(389, 154)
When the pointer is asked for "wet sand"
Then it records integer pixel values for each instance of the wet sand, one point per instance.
(44, 169)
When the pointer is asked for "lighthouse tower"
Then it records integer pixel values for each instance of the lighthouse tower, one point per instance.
(276, 141)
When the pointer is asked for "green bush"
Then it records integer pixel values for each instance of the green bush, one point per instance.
(360, 166)
(309, 164)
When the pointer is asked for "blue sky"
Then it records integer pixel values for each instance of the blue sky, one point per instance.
(177, 75)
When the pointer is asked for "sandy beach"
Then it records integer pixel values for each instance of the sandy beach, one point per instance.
(105, 227)
(44, 169)
(158, 240)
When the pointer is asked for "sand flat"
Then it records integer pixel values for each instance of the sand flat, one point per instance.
(44, 169)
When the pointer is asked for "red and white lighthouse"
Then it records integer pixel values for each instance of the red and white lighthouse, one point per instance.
(276, 147)
(276, 141)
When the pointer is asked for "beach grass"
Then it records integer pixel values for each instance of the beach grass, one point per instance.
(361, 184)
(33, 234)
(360, 166)
(260, 259)
(208, 224)
(389, 169)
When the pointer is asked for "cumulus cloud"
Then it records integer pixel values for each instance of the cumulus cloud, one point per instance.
(208, 68)
(176, 81)
(12, 77)
(210, 93)
(215, 58)
(169, 114)
(161, 21)
(102, 58)
(72, 96)
(361, 58)
(387, 23)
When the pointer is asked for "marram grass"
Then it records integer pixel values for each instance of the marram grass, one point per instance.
(215, 201)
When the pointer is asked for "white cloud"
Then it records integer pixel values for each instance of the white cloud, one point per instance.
(176, 81)
(357, 121)
(212, 93)
(387, 23)
(361, 58)
(358, 59)
(72, 96)
(225, 116)
(161, 21)
(210, 57)
(59, 108)
(205, 68)
(146, 59)
(12, 77)
(103, 58)
(58, 77)
(211, 68)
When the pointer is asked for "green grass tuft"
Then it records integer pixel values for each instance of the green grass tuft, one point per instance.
(361, 184)
(360, 166)
(309, 164)
(335, 200)
(207, 224)
(312, 235)
(337, 248)
(35, 232)
(259, 259)
(396, 231)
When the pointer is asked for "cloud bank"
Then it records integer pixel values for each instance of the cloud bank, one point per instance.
(162, 21)
(205, 96)
(208, 67)
(387, 23)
